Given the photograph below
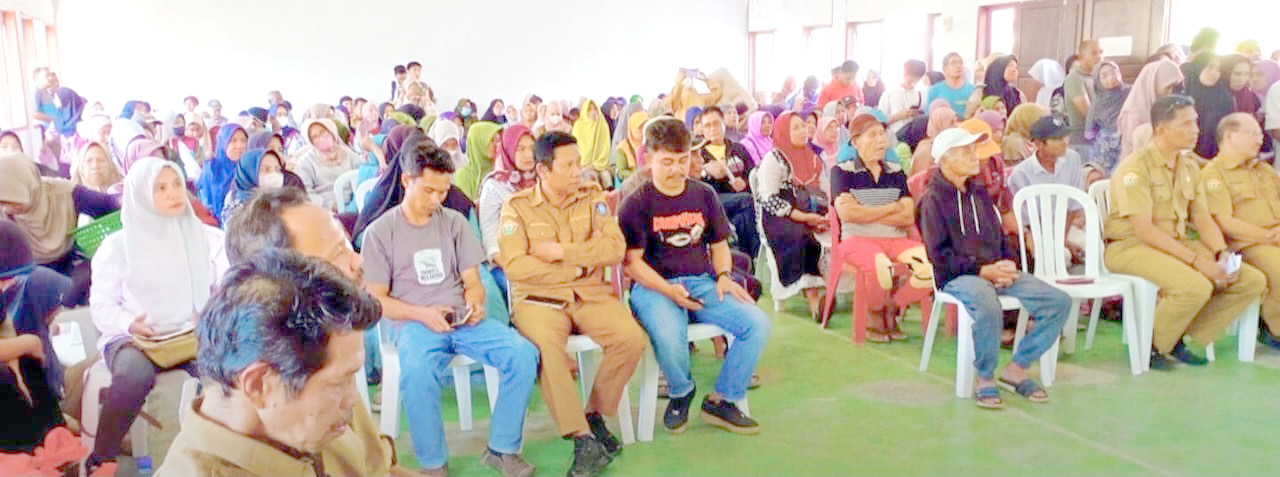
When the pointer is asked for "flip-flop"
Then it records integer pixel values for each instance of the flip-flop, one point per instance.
(988, 398)
(1027, 389)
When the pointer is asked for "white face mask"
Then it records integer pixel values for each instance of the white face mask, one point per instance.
(271, 180)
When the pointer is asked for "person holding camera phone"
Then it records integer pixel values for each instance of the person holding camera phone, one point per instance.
(555, 240)
(421, 261)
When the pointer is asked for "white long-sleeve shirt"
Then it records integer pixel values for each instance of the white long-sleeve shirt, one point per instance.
(492, 195)
(111, 305)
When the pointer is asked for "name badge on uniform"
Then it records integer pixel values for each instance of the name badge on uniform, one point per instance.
(602, 209)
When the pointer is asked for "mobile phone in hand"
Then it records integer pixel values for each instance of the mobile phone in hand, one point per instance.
(460, 317)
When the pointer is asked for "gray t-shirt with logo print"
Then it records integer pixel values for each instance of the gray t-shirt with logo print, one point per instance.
(422, 264)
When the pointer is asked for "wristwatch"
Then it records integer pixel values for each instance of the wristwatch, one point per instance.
(726, 274)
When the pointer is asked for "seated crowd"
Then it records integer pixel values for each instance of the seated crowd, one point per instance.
(240, 255)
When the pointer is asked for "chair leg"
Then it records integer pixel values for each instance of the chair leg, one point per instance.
(390, 414)
(964, 355)
(1132, 328)
(859, 322)
(1069, 329)
(586, 372)
(492, 381)
(1248, 336)
(1049, 365)
(1020, 330)
(930, 332)
(648, 397)
(1209, 354)
(833, 286)
(926, 312)
(1094, 313)
(462, 387)
(625, 422)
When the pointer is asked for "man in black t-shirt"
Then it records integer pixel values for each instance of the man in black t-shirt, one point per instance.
(678, 254)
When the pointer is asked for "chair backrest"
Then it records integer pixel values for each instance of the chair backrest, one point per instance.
(1100, 192)
(1043, 209)
(344, 189)
(80, 339)
(361, 196)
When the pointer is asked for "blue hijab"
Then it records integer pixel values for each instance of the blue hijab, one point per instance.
(69, 114)
(848, 153)
(218, 171)
(245, 180)
(129, 106)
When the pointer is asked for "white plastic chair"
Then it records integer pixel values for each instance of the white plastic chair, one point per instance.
(344, 189)
(361, 196)
(461, 366)
(649, 381)
(1148, 293)
(777, 291)
(584, 348)
(965, 371)
(190, 388)
(1043, 209)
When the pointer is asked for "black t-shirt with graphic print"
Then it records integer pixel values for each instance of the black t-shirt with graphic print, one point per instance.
(676, 233)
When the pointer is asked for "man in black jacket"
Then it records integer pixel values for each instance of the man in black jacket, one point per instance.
(974, 262)
(726, 167)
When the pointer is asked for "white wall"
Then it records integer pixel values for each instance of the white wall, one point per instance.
(319, 50)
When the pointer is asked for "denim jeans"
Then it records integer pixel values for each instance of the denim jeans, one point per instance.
(668, 325)
(424, 360)
(1047, 305)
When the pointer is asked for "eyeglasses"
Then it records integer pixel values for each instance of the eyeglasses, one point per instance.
(1166, 105)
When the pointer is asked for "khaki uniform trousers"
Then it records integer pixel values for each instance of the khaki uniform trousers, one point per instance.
(1188, 303)
(610, 324)
(1267, 259)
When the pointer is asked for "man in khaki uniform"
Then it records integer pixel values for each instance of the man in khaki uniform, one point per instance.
(1154, 193)
(1244, 196)
(555, 239)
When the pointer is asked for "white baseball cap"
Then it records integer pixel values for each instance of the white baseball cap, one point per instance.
(952, 138)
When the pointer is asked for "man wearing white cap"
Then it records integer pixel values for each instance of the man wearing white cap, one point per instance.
(974, 261)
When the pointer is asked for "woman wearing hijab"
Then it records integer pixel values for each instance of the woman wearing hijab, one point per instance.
(215, 180)
(193, 146)
(1017, 134)
(872, 88)
(483, 144)
(134, 109)
(995, 103)
(512, 172)
(30, 376)
(1051, 76)
(123, 133)
(325, 160)
(150, 280)
(826, 137)
(367, 141)
(46, 209)
(1158, 78)
(1101, 127)
(940, 119)
(448, 136)
(257, 169)
(495, 113)
(466, 110)
(628, 145)
(791, 208)
(10, 142)
(759, 138)
(1237, 72)
(1002, 81)
(1205, 84)
(93, 169)
(592, 133)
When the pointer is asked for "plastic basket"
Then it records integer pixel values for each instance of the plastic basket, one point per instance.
(89, 237)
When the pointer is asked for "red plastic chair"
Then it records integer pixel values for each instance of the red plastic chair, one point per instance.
(861, 287)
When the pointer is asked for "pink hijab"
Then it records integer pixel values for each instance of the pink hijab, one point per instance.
(504, 169)
(1271, 71)
(138, 149)
(828, 147)
(1137, 107)
(757, 144)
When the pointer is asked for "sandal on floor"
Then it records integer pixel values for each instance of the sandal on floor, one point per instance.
(754, 382)
(1028, 388)
(989, 398)
(877, 336)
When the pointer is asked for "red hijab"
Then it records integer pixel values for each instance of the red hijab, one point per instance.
(806, 166)
(504, 169)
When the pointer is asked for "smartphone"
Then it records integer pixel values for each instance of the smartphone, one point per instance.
(691, 72)
(1075, 281)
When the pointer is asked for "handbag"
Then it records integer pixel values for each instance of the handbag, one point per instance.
(169, 352)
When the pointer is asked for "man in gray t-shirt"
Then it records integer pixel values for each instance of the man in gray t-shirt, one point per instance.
(1078, 90)
(421, 263)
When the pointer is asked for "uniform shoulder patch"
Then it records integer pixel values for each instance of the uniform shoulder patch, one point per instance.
(1131, 179)
(509, 228)
(602, 209)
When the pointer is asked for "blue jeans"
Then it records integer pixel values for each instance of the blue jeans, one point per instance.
(424, 359)
(1047, 305)
(668, 325)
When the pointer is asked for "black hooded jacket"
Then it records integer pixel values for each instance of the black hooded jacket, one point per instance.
(961, 229)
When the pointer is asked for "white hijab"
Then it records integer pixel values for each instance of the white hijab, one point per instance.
(1051, 76)
(168, 257)
(444, 130)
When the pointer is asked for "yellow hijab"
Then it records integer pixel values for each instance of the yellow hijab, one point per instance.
(593, 136)
(634, 139)
(51, 213)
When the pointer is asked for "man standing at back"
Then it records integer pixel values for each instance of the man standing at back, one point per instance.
(556, 239)
(843, 83)
(1078, 89)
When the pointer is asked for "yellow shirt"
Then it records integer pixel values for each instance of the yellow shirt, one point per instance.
(1247, 189)
(1146, 183)
(586, 228)
(717, 152)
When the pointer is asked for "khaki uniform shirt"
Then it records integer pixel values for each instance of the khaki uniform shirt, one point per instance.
(1247, 189)
(1146, 183)
(206, 448)
(586, 228)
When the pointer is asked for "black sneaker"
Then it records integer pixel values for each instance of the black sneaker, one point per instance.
(1265, 337)
(589, 457)
(677, 415)
(1161, 362)
(726, 415)
(611, 444)
(1184, 354)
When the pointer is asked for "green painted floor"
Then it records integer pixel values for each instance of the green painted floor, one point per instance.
(827, 407)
